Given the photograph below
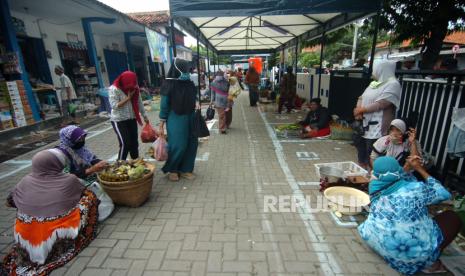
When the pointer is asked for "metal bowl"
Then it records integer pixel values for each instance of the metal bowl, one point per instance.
(333, 174)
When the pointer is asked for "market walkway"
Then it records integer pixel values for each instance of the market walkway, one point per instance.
(216, 225)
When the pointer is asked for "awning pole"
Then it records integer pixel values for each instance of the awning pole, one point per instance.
(215, 60)
(198, 64)
(281, 66)
(208, 76)
(321, 62)
(296, 58)
(173, 41)
(373, 46)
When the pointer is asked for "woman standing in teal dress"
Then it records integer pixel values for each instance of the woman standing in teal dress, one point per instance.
(177, 111)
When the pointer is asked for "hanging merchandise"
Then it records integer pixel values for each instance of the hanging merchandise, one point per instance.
(10, 64)
(456, 140)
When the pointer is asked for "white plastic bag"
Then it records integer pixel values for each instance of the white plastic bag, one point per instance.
(160, 149)
(106, 206)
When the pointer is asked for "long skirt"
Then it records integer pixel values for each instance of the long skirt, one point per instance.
(45, 244)
(182, 145)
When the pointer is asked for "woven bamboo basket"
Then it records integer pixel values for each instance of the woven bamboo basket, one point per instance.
(132, 193)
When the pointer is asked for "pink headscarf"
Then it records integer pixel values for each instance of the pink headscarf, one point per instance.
(47, 191)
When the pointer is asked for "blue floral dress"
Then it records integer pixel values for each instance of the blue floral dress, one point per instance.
(400, 230)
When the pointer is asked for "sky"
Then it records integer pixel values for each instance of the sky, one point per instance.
(143, 6)
(137, 5)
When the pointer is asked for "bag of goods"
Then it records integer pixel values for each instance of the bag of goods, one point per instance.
(341, 130)
(149, 134)
(210, 113)
(106, 206)
(160, 149)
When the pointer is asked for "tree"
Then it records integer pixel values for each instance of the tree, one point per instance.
(426, 21)
(338, 44)
(309, 59)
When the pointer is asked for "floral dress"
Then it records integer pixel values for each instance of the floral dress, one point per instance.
(400, 229)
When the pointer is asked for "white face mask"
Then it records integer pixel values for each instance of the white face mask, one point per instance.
(395, 140)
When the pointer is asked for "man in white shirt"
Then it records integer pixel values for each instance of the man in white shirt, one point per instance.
(67, 93)
(195, 77)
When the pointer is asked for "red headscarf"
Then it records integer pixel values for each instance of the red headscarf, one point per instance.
(127, 82)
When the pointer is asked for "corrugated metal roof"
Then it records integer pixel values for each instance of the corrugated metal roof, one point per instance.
(231, 26)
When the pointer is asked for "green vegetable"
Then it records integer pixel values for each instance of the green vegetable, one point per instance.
(136, 173)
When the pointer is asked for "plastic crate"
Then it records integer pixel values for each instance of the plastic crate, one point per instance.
(350, 168)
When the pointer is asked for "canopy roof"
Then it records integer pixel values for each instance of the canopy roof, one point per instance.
(264, 26)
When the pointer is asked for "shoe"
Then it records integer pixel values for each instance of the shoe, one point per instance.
(223, 132)
(188, 176)
(173, 177)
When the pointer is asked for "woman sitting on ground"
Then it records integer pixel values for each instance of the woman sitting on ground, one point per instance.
(82, 162)
(56, 217)
(399, 227)
(316, 123)
(399, 143)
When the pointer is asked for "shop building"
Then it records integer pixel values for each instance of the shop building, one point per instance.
(93, 43)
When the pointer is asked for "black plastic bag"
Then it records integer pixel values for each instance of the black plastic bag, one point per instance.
(200, 129)
(210, 113)
(358, 133)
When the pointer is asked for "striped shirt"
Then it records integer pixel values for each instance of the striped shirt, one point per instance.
(125, 112)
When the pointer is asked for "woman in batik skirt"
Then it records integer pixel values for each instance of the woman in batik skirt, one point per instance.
(56, 218)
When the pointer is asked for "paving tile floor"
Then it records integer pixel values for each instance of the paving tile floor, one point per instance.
(217, 224)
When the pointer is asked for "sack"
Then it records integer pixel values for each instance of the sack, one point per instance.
(149, 134)
(106, 206)
(160, 149)
(200, 128)
(210, 113)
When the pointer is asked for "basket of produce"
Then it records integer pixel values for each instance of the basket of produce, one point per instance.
(128, 183)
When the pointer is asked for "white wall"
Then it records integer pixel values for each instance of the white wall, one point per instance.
(304, 82)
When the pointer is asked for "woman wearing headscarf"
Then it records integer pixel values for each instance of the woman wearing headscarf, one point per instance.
(287, 91)
(56, 217)
(82, 162)
(377, 107)
(399, 227)
(177, 109)
(220, 87)
(126, 110)
(400, 143)
(252, 79)
(233, 92)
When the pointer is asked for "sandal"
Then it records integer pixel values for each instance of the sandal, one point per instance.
(173, 177)
(435, 268)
